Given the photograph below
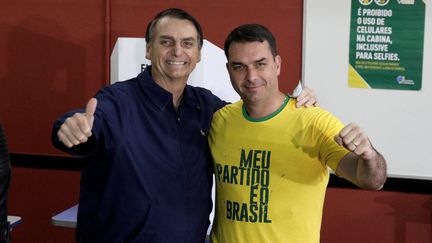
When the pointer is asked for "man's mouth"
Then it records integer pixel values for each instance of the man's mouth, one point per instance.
(252, 86)
(176, 63)
(252, 89)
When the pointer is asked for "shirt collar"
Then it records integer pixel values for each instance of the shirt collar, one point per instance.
(159, 96)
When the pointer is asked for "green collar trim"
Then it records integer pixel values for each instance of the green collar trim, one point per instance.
(247, 117)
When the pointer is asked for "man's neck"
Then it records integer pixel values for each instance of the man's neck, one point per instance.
(175, 87)
(264, 109)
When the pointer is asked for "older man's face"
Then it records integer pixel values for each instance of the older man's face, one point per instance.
(174, 50)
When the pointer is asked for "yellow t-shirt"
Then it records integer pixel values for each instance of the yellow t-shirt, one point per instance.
(271, 174)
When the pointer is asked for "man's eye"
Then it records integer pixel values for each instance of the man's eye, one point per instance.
(165, 42)
(261, 64)
(238, 67)
(188, 44)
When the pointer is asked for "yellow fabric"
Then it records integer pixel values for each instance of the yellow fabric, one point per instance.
(271, 175)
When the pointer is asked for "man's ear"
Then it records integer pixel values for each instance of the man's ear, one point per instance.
(147, 55)
(278, 61)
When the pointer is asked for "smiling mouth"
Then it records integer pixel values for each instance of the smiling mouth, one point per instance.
(176, 63)
(251, 86)
(252, 89)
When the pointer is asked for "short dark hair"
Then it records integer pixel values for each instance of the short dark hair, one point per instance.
(250, 33)
(178, 14)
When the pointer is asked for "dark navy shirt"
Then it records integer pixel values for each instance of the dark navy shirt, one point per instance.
(5, 176)
(148, 178)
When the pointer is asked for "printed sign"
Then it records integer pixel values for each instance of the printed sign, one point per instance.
(386, 44)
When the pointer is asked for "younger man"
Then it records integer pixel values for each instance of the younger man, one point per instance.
(271, 159)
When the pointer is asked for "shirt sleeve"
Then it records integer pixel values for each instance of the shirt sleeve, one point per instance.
(327, 127)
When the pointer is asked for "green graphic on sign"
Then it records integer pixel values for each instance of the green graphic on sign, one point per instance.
(386, 44)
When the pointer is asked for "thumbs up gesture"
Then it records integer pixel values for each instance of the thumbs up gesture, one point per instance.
(77, 128)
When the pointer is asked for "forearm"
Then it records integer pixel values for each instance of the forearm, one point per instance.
(372, 173)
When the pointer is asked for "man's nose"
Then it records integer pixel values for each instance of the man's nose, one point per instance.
(176, 49)
(251, 74)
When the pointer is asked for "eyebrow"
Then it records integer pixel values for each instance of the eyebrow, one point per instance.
(260, 60)
(188, 39)
(172, 38)
(236, 63)
(240, 63)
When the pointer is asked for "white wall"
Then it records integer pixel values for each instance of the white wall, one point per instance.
(399, 122)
